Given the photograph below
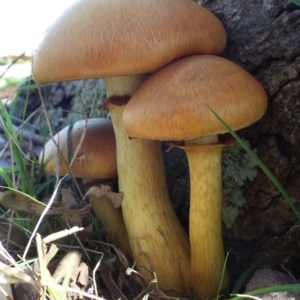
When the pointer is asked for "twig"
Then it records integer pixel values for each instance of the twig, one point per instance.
(42, 217)
(94, 273)
(58, 235)
(13, 62)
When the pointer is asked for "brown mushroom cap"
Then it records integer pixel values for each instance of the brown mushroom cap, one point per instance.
(100, 38)
(174, 102)
(96, 157)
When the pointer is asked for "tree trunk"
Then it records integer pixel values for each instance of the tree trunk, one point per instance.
(264, 38)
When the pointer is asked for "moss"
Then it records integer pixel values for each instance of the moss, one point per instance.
(69, 102)
(237, 167)
(92, 94)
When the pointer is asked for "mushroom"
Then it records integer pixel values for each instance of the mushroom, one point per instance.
(174, 104)
(95, 163)
(123, 40)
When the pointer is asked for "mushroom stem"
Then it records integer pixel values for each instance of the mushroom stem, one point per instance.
(157, 239)
(111, 218)
(206, 241)
(211, 139)
(123, 85)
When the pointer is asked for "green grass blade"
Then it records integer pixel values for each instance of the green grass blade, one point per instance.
(6, 178)
(261, 165)
(43, 186)
(249, 272)
(31, 86)
(24, 194)
(9, 131)
(291, 288)
(297, 2)
(222, 278)
(27, 87)
(16, 168)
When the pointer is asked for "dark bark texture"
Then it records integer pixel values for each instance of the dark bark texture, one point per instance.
(264, 38)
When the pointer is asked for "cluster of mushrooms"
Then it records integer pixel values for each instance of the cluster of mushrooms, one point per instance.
(162, 76)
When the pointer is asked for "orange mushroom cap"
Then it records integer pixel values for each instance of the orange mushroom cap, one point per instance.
(100, 38)
(174, 103)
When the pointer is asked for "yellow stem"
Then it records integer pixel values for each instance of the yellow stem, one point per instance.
(112, 220)
(156, 237)
(207, 253)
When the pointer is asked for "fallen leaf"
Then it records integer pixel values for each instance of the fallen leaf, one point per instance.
(83, 277)
(24, 203)
(68, 199)
(73, 216)
(70, 261)
(21, 202)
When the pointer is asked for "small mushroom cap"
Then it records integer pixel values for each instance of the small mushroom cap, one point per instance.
(96, 157)
(174, 102)
(100, 38)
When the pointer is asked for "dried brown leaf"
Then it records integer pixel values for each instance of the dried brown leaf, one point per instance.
(24, 203)
(50, 254)
(70, 260)
(21, 202)
(83, 278)
(68, 199)
(74, 216)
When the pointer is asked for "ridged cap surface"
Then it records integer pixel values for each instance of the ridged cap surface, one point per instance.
(173, 103)
(104, 38)
(96, 157)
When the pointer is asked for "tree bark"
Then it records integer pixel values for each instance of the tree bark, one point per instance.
(264, 38)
